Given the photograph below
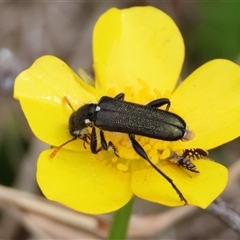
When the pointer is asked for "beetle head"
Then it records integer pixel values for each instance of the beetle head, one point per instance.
(81, 119)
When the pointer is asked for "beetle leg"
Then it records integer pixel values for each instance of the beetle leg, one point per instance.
(84, 144)
(120, 96)
(110, 144)
(103, 140)
(160, 102)
(93, 142)
(138, 148)
(140, 151)
(104, 144)
(85, 139)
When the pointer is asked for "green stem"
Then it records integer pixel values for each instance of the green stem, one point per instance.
(120, 222)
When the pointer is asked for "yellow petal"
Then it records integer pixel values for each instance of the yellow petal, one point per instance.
(136, 43)
(209, 101)
(41, 90)
(82, 182)
(199, 189)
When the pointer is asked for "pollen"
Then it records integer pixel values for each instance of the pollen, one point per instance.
(122, 167)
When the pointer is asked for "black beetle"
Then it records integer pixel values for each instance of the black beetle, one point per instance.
(117, 115)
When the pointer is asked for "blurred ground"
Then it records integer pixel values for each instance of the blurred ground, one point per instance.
(29, 30)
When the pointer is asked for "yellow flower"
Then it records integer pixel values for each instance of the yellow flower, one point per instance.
(137, 51)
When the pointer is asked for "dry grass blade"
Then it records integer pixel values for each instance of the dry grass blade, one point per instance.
(37, 213)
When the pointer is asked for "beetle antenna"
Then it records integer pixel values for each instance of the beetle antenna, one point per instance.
(53, 154)
(68, 102)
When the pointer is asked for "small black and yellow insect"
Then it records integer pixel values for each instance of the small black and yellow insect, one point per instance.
(184, 159)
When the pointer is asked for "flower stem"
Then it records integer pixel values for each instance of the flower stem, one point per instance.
(120, 222)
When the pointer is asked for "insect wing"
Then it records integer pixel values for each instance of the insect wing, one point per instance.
(120, 116)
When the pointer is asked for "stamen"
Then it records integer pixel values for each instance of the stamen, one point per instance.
(68, 102)
(53, 154)
(122, 167)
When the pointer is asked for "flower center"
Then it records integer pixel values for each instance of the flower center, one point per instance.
(157, 150)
